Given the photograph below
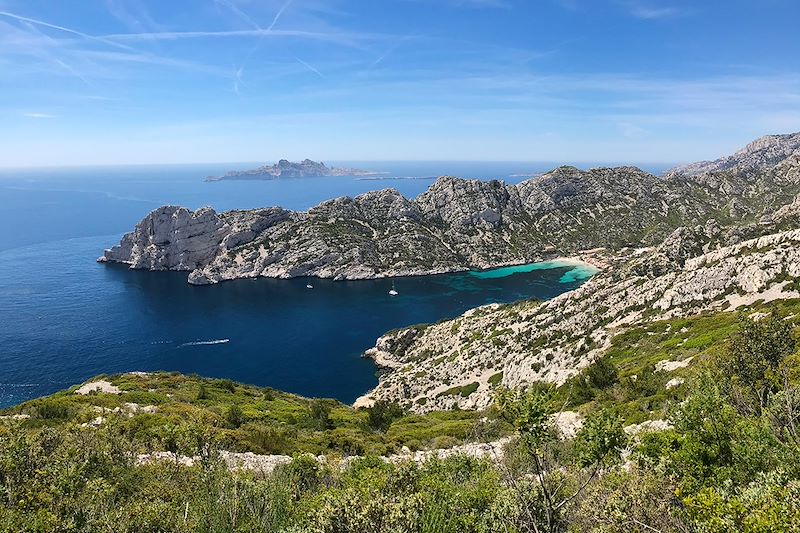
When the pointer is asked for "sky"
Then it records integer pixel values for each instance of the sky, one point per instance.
(152, 81)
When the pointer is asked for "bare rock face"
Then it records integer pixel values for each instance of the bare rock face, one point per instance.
(760, 155)
(172, 238)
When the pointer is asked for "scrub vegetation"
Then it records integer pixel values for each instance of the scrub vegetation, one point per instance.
(728, 460)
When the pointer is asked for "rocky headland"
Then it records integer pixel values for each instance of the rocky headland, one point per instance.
(460, 224)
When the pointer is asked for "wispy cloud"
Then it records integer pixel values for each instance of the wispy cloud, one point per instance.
(474, 4)
(649, 10)
(77, 33)
(38, 115)
(310, 67)
(110, 56)
(347, 38)
(390, 50)
(133, 14)
(239, 13)
(237, 80)
(504, 4)
(43, 47)
(81, 55)
(640, 9)
(653, 12)
(277, 16)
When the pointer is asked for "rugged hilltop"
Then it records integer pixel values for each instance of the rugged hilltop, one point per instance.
(772, 152)
(462, 224)
(287, 169)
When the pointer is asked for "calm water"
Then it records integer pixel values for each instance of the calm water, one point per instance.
(65, 318)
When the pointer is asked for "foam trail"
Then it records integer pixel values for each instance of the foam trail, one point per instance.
(205, 343)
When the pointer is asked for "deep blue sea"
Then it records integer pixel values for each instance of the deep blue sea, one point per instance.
(65, 318)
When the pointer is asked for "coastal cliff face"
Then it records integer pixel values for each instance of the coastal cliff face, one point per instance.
(171, 238)
(465, 224)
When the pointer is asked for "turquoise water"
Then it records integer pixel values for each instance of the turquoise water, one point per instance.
(576, 272)
(65, 318)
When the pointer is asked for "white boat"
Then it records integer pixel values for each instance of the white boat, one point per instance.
(309, 286)
(392, 291)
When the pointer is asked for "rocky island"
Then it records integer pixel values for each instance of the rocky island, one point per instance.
(460, 224)
(287, 169)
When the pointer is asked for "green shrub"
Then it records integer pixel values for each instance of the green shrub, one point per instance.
(234, 416)
(319, 412)
(202, 393)
(226, 384)
(382, 413)
(54, 409)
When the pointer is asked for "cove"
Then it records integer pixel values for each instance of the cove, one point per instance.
(577, 270)
(75, 319)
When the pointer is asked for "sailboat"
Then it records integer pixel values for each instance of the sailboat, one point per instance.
(392, 291)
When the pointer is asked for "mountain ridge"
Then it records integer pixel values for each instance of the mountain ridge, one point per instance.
(455, 225)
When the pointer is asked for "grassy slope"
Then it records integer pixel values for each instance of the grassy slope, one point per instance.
(639, 392)
(263, 420)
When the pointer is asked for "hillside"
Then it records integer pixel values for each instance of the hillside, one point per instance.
(458, 224)
(461, 362)
(150, 407)
(644, 445)
(772, 152)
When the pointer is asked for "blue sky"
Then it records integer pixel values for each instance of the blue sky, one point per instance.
(154, 81)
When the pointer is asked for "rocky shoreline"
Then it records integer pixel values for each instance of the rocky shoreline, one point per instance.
(708, 236)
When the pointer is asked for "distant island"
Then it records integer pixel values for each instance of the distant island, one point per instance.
(287, 169)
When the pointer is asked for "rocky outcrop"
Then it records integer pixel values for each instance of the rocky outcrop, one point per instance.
(286, 169)
(171, 238)
(761, 155)
(265, 464)
(462, 224)
(459, 363)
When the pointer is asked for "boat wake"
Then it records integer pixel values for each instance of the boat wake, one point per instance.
(205, 343)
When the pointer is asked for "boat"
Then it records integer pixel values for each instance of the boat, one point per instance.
(392, 291)
(309, 286)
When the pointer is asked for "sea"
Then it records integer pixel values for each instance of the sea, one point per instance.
(65, 318)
